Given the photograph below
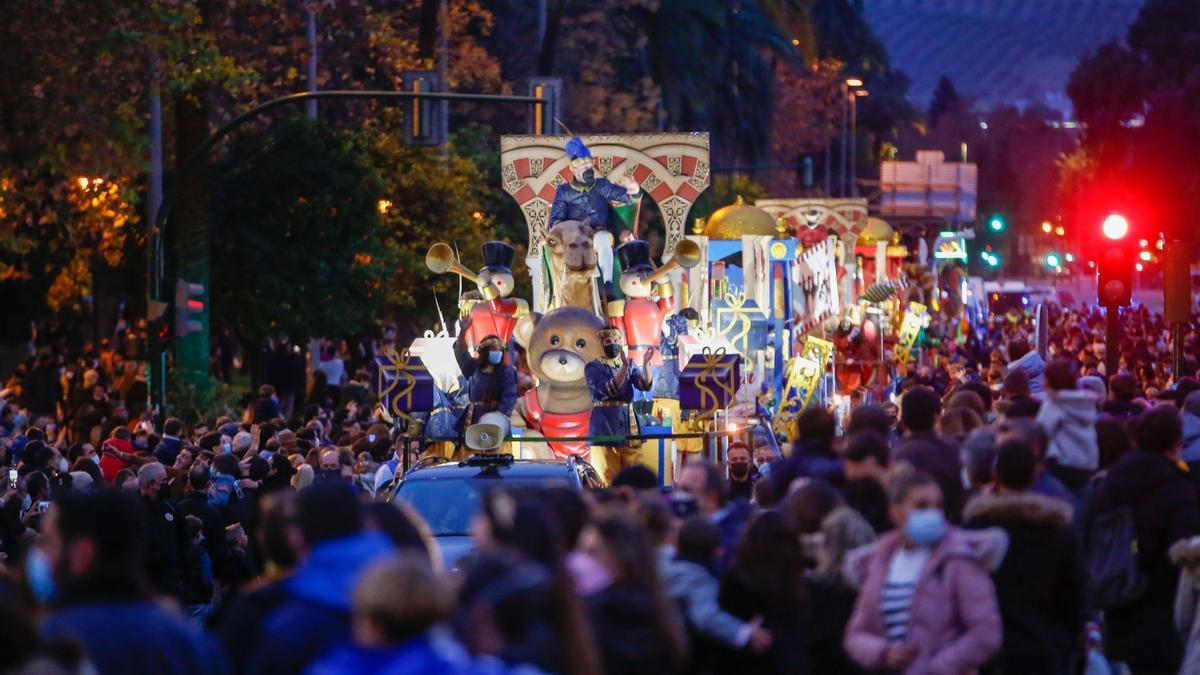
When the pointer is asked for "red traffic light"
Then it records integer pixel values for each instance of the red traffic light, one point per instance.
(1115, 226)
(1115, 283)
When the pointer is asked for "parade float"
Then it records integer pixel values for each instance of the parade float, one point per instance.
(746, 322)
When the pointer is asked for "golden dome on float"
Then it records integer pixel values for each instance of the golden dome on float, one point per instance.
(876, 230)
(738, 219)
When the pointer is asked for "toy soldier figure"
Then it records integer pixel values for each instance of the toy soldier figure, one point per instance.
(638, 316)
(587, 198)
(611, 380)
(497, 315)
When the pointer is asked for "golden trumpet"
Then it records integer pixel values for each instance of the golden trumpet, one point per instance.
(441, 259)
(687, 256)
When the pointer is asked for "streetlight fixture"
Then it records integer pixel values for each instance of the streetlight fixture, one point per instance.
(854, 94)
(854, 82)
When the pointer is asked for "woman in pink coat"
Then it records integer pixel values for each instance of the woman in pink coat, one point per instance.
(926, 604)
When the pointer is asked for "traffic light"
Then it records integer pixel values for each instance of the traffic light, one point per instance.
(1115, 226)
(1114, 287)
(189, 308)
(1053, 261)
(425, 119)
(545, 117)
(997, 223)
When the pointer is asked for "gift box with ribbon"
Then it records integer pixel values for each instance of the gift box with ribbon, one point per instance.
(710, 381)
(403, 384)
(740, 320)
(695, 344)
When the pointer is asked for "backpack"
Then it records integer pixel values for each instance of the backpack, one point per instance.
(1112, 560)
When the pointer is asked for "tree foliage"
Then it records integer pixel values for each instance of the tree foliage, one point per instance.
(297, 247)
(806, 118)
(1138, 102)
(432, 199)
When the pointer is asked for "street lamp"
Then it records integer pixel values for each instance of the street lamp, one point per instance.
(851, 83)
(854, 138)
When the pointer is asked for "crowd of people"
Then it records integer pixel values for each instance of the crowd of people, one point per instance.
(1006, 511)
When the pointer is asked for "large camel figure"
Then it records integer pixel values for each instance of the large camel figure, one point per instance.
(573, 266)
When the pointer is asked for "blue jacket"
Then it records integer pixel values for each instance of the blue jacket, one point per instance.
(316, 614)
(477, 387)
(610, 420)
(136, 637)
(167, 450)
(694, 590)
(431, 653)
(571, 203)
(1035, 367)
(1191, 437)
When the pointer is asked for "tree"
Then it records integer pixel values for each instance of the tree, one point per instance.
(432, 199)
(945, 97)
(806, 118)
(71, 112)
(297, 245)
(1137, 103)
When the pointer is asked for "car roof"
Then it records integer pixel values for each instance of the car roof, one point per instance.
(526, 468)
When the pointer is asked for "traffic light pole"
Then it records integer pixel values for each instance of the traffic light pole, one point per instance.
(1112, 340)
(156, 303)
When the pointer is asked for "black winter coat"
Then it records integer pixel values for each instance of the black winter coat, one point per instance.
(1165, 508)
(627, 633)
(1040, 584)
(196, 504)
(786, 618)
(166, 546)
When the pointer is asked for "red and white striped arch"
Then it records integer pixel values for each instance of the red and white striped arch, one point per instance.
(672, 168)
(842, 218)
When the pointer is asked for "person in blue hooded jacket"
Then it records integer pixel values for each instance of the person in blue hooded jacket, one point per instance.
(316, 612)
(400, 606)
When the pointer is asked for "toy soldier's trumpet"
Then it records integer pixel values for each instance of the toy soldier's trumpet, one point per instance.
(441, 259)
(687, 256)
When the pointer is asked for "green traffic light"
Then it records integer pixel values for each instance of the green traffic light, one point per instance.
(996, 223)
(1052, 260)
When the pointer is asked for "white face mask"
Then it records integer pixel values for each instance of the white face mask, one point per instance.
(62, 465)
(95, 459)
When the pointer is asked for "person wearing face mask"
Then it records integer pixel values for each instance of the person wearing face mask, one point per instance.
(90, 567)
(742, 472)
(491, 383)
(587, 198)
(330, 469)
(926, 602)
(165, 538)
(611, 380)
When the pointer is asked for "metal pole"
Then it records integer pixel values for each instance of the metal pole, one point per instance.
(1112, 341)
(846, 103)
(158, 226)
(853, 144)
(1177, 330)
(312, 59)
(154, 197)
(829, 168)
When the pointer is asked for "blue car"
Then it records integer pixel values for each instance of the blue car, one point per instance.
(447, 495)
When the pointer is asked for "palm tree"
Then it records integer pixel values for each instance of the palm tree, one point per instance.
(714, 61)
